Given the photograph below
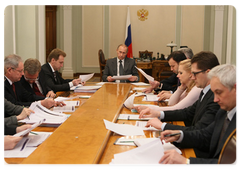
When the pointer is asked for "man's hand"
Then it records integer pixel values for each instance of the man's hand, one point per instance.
(155, 122)
(51, 94)
(76, 81)
(110, 79)
(25, 112)
(163, 95)
(172, 157)
(149, 113)
(133, 78)
(22, 128)
(170, 138)
(11, 141)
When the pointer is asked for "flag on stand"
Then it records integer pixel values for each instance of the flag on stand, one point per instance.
(128, 36)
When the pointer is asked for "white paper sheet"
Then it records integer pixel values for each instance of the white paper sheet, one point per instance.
(44, 113)
(149, 78)
(123, 129)
(27, 145)
(129, 101)
(62, 99)
(142, 125)
(86, 77)
(123, 77)
(74, 87)
(140, 84)
(72, 103)
(88, 89)
(150, 153)
(151, 98)
(131, 117)
(64, 109)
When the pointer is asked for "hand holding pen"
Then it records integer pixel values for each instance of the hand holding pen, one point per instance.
(170, 135)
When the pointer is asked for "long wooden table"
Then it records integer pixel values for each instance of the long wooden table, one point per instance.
(83, 138)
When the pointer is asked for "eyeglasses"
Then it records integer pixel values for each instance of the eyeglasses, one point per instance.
(195, 73)
(20, 71)
(30, 79)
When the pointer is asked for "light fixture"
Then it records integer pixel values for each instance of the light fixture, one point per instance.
(2, 11)
(171, 45)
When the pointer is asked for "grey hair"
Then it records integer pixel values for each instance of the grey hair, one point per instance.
(187, 51)
(11, 61)
(226, 73)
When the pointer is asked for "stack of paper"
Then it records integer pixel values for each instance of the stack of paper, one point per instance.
(129, 101)
(86, 77)
(150, 98)
(150, 153)
(123, 129)
(41, 112)
(27, 145)
(87, 89)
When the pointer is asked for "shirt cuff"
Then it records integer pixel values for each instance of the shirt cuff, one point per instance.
(70, 84)
(163, 125)
(162, 115)
(180, 138)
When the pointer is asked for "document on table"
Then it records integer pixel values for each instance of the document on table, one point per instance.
(86, 77)
(62, 99)
(129, 101)
(140, 84)
(151, 98)
(87, 89)
(64, 109)
(74, 87)
(27, 145)
(150, 153)
(41, 112)
(166, 146)
(142, 124)
(123, 77)
(149, 78)
(123, 129)
(131, 117)
(22, 133)
(72, 103)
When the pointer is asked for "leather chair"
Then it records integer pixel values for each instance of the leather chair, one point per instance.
(161, 70)
(102, 62)
(146, 54)
(228, 153)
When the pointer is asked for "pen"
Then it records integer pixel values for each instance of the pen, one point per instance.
(173, 134)
(24, 144)
(34, 133)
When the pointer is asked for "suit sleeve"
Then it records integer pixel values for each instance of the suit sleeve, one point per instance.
(106, 71)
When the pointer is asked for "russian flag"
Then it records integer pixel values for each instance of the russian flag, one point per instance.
(128, 36)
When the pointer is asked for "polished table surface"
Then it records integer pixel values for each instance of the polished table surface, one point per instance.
(83, 138)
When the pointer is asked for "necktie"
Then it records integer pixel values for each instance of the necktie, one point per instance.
(224, 128)
(121, 70)
(55, 76)
(13, 87)
(201, 95)
(36, 89)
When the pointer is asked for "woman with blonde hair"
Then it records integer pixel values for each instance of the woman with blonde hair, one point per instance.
(186, 94)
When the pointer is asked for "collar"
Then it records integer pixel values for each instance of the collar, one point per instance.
(10, 82)
(231, 113)
(205, 90)
(119, 60)
(51, 67)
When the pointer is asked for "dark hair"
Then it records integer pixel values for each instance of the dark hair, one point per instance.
(205, 60)
(55, 53)
(177, 56)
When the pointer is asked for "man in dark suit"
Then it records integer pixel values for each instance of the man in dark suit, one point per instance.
(52, 77)
(14, 91)
(34, 82)
(203, 111)
(213, 137)
(120, 65)
(168, 85)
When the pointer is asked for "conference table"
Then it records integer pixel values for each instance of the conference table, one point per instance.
(83, 137)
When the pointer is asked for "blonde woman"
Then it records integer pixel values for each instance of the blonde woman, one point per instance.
(184, 96)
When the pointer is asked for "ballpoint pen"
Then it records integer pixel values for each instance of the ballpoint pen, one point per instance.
(173, 134)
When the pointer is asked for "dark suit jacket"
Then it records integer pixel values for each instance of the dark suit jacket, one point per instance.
(42, 82)
(208, 138)
(197, 116)
(59, 85)
(22, 97)
(111, 68)
(171, 83)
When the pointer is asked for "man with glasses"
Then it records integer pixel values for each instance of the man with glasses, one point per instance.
(14, 91)
(33, 81)
(202, 112)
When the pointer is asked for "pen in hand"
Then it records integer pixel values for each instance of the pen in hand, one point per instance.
(173, 134)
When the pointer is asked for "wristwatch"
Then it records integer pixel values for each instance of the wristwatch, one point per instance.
(187, 161)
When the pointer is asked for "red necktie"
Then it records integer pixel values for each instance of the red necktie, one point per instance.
(13, 87)
(36, 89)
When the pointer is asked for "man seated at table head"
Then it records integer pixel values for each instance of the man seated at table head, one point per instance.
(213, 137)
(170, 84)
(51, 72)
(13, 89)
(34, 82)
(120, 65)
